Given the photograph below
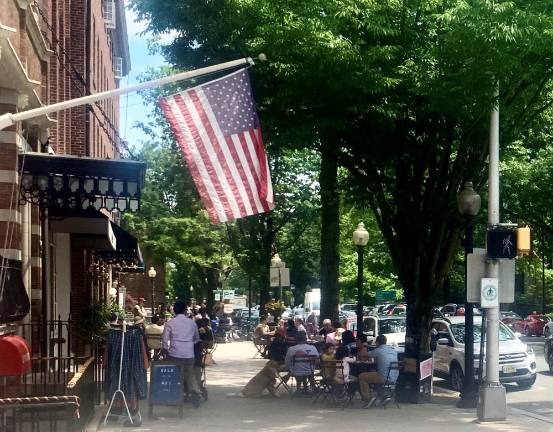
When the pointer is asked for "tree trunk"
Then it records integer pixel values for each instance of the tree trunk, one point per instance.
(213, 277)
(330, 236)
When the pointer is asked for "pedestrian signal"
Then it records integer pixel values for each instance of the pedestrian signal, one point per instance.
(502, 243)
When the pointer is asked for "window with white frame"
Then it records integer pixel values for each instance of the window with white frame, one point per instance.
(109, 13)
(118, 67)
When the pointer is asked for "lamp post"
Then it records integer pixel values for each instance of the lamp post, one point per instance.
(152, 275)
(276, 263)
(360, 239)
(468, 203)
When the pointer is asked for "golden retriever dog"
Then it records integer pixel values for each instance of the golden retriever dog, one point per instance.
(264, 379)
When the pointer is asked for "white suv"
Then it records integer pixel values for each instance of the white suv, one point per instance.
(517, 361)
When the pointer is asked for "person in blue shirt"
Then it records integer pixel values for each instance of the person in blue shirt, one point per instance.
(383, 355)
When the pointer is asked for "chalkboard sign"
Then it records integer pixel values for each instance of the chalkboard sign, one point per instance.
(166, 385)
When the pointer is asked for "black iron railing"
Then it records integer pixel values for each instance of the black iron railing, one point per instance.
(55, 371)
(40, 414)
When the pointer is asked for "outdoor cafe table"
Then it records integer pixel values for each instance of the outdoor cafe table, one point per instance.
(358, 367)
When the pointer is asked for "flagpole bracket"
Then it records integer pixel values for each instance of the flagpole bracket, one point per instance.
(6, 120)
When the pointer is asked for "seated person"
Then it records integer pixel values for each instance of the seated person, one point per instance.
(302, 371)
(336, 336)
(262, 329)
(348, 342)
(298, 322)
(342, 374)
(262, 335)
(326, 328)
(281, 329)
(328, 355)
(277, 349)
(362, 348)
(153, 335)
(291, 331)
(383, 355)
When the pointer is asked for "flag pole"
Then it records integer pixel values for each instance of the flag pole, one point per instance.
(9, 119)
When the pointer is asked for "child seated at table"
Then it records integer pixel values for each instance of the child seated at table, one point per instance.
(342, 374)
(328, 355)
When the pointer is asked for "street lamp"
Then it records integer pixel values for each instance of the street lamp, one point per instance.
(276, 263)
(152, 275)
(360, 239)
(468, 203)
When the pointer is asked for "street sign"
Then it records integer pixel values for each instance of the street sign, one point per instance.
(476, 270)
(274, 276)
(285, 277)
(228, 308)
(385, 295)
(502, 243)
(489, 292)
(228, 294)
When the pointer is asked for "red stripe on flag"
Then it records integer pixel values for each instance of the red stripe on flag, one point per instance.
(242, 173)
(205, 157)
(262, 158)
(192, 167)
(253, 170)
(218, 153)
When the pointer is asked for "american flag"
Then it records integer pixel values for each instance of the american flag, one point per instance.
(218, 131)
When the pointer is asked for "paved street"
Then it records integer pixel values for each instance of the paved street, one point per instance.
(227, 410)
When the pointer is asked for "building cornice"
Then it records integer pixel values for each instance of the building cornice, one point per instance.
(33, 29)
(23, 4)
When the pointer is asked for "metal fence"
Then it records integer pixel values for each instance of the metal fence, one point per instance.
(55, 371)
(39, 414)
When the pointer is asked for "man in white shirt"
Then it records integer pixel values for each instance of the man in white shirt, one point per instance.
(179, 336)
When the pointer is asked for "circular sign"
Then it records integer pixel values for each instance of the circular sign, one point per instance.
(489, 292)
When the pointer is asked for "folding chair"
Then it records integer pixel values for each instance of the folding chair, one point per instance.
(309, 363)
(389, 387)
(326, 384)
(261, 344)
(338, 393)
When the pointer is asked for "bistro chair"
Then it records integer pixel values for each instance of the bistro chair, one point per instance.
(389, 387)
(329, 389)
(310, 363)
(261, 344)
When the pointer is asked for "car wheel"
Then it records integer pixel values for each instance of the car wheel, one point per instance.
(456, 377)
(527, 332)
(546, 332)
(527, 383)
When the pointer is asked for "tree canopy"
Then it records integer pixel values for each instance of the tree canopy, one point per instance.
(399, 91)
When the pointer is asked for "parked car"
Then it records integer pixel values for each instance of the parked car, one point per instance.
(517, 360)
(351, 307)
(533, 324)
(393, 327)
(548, 329)
(509, 318)
(398, 310)
(454, 309)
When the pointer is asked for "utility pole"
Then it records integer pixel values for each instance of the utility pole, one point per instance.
(492, 405)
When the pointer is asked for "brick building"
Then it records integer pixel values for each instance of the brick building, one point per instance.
(63, 182)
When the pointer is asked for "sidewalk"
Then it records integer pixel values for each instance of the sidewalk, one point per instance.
(226, 410)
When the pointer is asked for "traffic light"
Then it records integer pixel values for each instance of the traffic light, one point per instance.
(524, 241)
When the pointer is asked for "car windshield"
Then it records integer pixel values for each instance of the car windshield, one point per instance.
(395, 325)
(458, 331)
